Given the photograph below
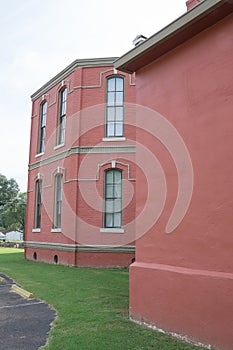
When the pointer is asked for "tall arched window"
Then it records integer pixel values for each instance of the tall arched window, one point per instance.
(113, 198)
(38, 204)
(57, 201)
(62, 117)
(41, 140)
(115, 107)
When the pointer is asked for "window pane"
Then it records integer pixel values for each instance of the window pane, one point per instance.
(110, 114)
(111, 84)
(109, 177)
(63, 122)
(119, 113)
(117, 206)
(61, 130)
(63, 95)
(59, 194)
(63, 108)
(62, 119)
(62, 136)
(110, 129)
(119, 129)
(119, 84)
(43, 114)
(43, 120)
(42, 127)
(119, 98)
(115, 106)
(117, 177)
(63, 101)
(108, 220)
(58, 201)
(59, 207)
(42, 137)
(59, 186)
(109, 191)
(38, 204)
(59, 134)
(113, 198)
(117, 191)
(109, 206)
(44, 108)
(58, 221)
(117, 220)
(111, 98)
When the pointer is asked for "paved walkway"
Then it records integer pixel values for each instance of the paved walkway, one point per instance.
(24, 323)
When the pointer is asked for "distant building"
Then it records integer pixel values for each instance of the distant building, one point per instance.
(14, 236)
(182, 280)
(2, 236)
(81, 204)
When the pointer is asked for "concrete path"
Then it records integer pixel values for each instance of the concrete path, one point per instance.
(24, 323)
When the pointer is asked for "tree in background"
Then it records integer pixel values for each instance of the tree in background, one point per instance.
(9, 190)
(12, 206)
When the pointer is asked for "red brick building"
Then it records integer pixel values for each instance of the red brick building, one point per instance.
(182, 279)
(81, 181)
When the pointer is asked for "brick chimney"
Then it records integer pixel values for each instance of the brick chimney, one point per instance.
(192, 3)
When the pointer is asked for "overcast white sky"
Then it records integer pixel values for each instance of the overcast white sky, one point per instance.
(41, 37)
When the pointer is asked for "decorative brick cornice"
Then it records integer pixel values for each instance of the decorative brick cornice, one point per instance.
(79, 63)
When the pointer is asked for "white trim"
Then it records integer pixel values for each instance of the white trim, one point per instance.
(59, 146)
(79, 63)
(39, 154)
(112, 230)
(127, 62)
(55, 229)
(181, 337)
(81, 247)
(36, 230)
(104, 149)
(111, 139)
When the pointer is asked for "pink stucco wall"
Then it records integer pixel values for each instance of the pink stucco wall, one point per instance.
(182, 282)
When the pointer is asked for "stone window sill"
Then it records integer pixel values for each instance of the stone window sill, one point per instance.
(39, 154)
(59, 146)
(112, 230)
(113, 139)
(56, 230)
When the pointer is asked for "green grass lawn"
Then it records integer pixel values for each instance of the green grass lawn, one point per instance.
(91, 304)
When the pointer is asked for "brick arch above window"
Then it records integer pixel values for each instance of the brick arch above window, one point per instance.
(39, 176)
(58, 170)
(115, 164)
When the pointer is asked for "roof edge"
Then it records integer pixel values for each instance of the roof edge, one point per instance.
(78, 63)
(187, 19)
